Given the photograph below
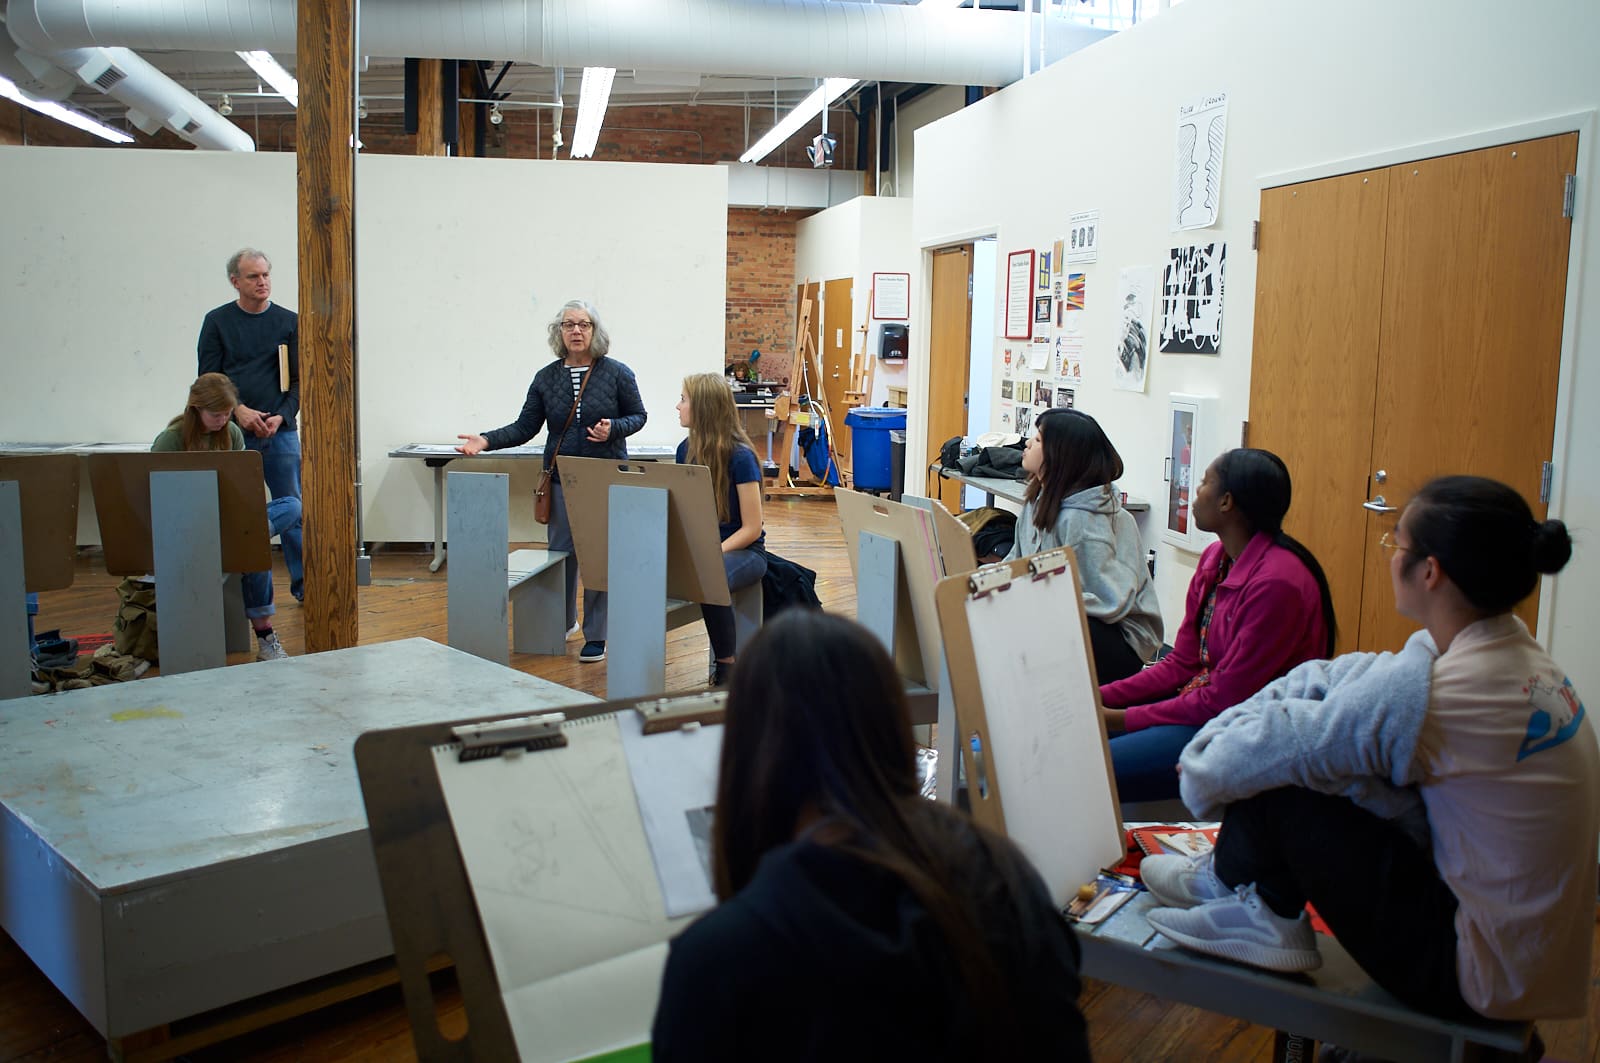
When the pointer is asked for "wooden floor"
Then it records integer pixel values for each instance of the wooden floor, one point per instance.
(406, 600)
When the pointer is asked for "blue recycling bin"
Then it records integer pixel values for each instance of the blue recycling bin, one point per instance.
(869, 444)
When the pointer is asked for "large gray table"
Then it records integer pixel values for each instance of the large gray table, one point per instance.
(175, 844)
(437, 455)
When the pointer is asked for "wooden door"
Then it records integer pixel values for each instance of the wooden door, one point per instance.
(837, 311)
(1475, 283)
(949, 342)
(1408, 324)
(1318, 286)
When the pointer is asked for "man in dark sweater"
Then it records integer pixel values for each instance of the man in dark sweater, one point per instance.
(248, 339)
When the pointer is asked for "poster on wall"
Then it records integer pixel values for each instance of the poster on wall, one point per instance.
(1066, 398)
(891, 296)
(1083, 236)
(1039, 354)
(1043, 395)
(1077, 291)
(1024, 420)
(1006, 387)
(1019, 288)
(1197, 169)
(1135, 297)
(1041, 310)
(1069, 360)
(1044, 271)
(1060, 256)
(1191, 300)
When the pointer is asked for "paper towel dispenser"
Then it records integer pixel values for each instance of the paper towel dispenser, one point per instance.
(893, 344)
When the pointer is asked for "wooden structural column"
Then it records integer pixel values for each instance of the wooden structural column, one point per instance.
(325, 150)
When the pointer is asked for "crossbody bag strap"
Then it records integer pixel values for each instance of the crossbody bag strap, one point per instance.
(570, 415)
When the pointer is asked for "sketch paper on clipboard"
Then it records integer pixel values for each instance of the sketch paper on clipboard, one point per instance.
(573, 881)
(1017, 645)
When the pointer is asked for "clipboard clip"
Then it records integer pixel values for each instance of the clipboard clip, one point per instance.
(988, 579)
(514, 736)
(677, 713)
(1048, 563)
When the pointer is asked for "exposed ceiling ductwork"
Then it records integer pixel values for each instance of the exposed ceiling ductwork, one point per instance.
(803, 38)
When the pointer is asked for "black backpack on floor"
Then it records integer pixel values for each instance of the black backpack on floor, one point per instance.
(787, 584)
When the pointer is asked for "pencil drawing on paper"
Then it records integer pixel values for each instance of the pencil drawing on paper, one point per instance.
(1197, 168)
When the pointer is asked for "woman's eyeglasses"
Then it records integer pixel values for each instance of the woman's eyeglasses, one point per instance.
(1388, 543)
(576, 326)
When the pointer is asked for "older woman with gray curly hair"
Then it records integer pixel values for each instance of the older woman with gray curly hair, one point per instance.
(597, 398)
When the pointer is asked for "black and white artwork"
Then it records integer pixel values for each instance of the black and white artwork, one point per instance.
(1191, 300)
(1135, 300)
(1197, 169)
(1024, 420)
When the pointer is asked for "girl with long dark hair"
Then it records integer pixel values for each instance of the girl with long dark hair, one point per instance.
(1258, 605)
(858, 919)
(1070, 501)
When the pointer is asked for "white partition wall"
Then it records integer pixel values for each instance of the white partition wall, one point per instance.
(1309, 87)
(112, 257)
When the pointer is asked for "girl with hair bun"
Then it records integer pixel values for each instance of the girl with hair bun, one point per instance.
(1258, 605)
(1439, 806)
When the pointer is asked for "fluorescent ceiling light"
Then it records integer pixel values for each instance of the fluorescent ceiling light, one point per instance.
(63, 114)
(269, 70)
(591, 109)
(810, 107)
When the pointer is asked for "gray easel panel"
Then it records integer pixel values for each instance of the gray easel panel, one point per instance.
(878, 586)
(236, 624)
(15, 670)
(187, 547)
(636, 546)
(480, 523)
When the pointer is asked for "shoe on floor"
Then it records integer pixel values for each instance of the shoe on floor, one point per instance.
(720, 670)
(575, 631)
(1181, 881)
(592, 652)
(1241, 927)
(271, 649)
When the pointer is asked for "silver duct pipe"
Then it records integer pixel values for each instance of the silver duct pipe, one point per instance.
(153, 99)
(793, 38)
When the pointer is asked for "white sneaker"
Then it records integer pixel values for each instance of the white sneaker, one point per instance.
(271, 649)
(1181, 881)
(1242, 928)
(574, 631)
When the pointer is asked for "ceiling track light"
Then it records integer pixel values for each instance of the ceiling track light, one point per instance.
(227, 106)
(361, 108)
(495, 117)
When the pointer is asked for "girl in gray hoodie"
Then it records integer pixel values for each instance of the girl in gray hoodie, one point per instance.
(1069, 501)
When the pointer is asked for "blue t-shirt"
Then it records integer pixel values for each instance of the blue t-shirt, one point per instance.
(743, 468)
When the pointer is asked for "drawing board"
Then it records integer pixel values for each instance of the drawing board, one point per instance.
(916, 636)
(695, 572)
(121, 484)
(1032, 740)
(544, 874)
(48, 488)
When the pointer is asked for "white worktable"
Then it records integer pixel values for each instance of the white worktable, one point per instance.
(171, 845)
(1013, 490)
(437, 455)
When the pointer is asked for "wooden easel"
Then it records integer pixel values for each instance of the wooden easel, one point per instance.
(805, 378)
(862, 366)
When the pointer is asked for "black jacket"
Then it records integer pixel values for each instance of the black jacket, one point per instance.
(612, 392)
(825, 957)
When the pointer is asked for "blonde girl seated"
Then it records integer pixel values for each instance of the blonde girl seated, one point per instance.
(717, 441)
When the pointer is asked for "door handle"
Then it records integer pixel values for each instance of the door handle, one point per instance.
(1379, 505)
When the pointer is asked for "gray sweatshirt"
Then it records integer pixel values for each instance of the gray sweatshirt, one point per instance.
(1117, 588)
(1347, 727)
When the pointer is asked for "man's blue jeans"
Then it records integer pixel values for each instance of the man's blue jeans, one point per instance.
(280, 466)
(283, 514)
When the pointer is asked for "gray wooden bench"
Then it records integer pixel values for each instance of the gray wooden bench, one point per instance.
(536, 585)
(1336, 1004)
